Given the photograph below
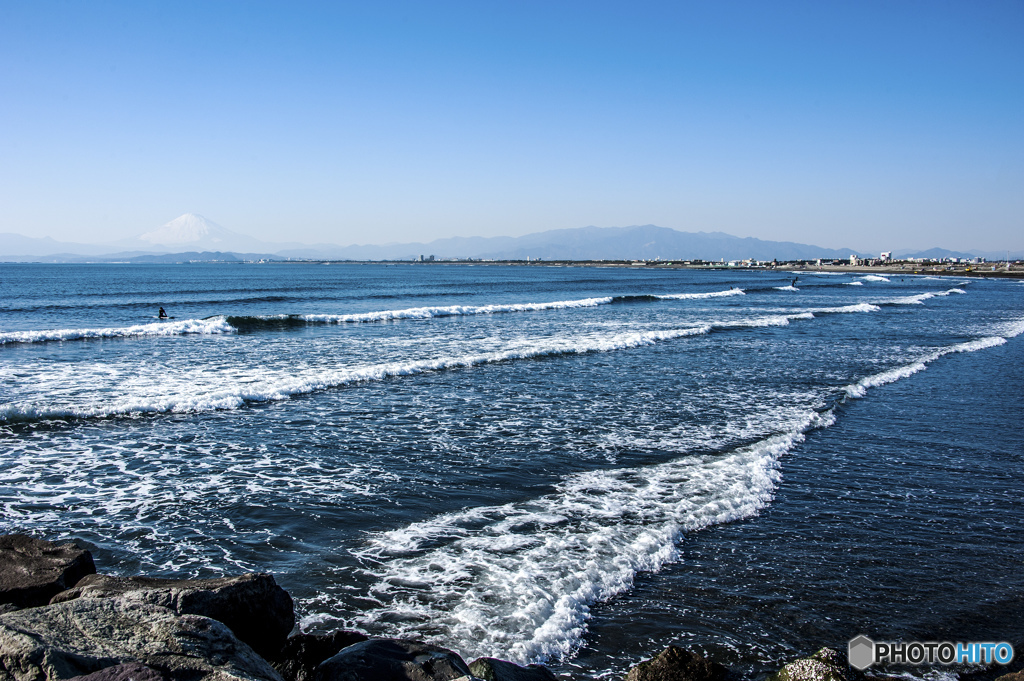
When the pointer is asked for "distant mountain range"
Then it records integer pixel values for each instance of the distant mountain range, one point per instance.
(645, 242)
(192, 237)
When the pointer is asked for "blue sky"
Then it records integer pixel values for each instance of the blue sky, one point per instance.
(870, 125)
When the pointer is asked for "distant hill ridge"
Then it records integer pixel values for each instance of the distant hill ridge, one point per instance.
(644, 242)
(193, 235)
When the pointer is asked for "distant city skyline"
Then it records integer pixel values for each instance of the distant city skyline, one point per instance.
(874, 126)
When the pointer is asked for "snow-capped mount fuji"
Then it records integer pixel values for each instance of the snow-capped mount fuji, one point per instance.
(187, 229)
(193, 232)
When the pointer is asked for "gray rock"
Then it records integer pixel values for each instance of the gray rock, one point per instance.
(386, 659)
(87, 635)
(129, 671)
(677, 664)
(32, 571)
(824, 665)
(253, 606)
(491, 669)
(303, 653)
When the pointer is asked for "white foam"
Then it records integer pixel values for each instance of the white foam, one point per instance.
(452, 310)
(858, 307)
(974, 345)
(776, 410)
(213, 325)
(786, 288)
(921, 297)
(208, 391)
(163, 508)
(114, 392)
(1011, 329)
(699, 296)
(854, 283)
(517, 581)
(761, 322)
(910, 300)
(860, 388)
(874, 277)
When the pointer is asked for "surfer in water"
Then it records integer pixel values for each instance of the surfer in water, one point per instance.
(162, 315)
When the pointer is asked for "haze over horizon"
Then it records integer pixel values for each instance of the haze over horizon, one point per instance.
(875, 126)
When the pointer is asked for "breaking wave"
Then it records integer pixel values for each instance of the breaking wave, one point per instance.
(919, 298)
(698, 296)
(858, 307)
(427, 312)
(517, 581)
(214, 325)
(225, 324)
(860, 388)
(1010, 329)
(191, 396)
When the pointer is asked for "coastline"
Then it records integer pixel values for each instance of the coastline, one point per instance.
(1016, 271)
(999, 270)
(61, 620)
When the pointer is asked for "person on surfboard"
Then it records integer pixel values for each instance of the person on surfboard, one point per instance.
(162, 315)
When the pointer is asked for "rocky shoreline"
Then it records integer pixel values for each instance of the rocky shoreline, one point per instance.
(59, 619)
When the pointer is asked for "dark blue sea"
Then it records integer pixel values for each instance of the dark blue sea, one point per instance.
(575, 465)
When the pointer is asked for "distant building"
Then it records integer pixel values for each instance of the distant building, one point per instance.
(886, 256)
(854, 260)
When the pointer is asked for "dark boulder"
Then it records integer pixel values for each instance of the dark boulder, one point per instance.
(129, 671)
(386, 659)
(491, 669)
(303, 653)
(253, 606)
(677, 664)
(83, 636)
(32, 571)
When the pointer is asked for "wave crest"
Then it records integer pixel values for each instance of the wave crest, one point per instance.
(517, 581)
(213, 325)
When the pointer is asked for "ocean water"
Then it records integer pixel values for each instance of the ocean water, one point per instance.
(575, 466)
